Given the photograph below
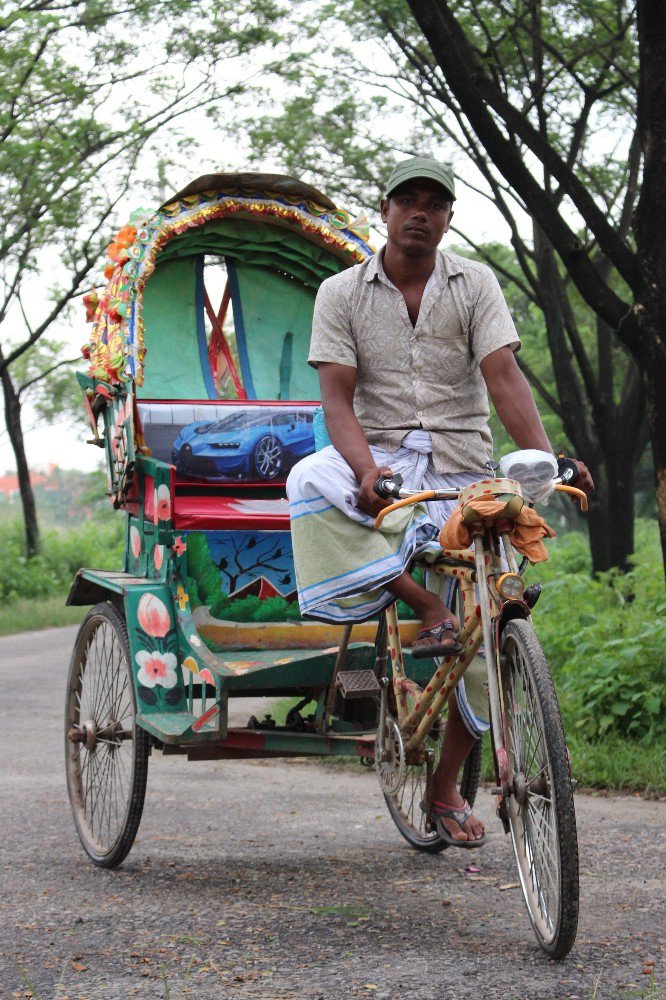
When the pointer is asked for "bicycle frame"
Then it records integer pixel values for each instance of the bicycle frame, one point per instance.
(478, 569)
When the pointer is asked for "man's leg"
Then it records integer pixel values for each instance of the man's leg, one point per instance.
(428, 606)
(458, 741)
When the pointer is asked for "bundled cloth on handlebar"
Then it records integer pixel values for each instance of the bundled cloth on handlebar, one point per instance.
(527, 530)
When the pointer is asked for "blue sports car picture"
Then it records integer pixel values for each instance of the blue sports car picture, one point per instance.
(258, 443)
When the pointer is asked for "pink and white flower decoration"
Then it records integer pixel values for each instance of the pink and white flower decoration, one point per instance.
(206, 675)
(153, 615)
(135, 541)
(157, 668)
(162, 503)
(158, 556)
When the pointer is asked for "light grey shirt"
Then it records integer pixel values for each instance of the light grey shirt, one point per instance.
(425, 375)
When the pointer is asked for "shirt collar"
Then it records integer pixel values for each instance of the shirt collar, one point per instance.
(446, 266)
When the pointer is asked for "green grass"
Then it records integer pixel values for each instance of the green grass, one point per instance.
(30, 614)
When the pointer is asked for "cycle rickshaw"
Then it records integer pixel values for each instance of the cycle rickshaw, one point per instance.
(201, 410)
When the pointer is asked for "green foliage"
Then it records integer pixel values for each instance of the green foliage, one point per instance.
(97, 544)
(203, 576)
(605, 638)
(253, 609)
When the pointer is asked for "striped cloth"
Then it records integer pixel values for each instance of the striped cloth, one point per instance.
(342, 563)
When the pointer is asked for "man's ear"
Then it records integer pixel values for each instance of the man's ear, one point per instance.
(383, 209)
(449, 222)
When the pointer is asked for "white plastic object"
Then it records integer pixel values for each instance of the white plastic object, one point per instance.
(534, 470)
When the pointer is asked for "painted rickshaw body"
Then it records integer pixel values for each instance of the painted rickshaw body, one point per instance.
(201, 412)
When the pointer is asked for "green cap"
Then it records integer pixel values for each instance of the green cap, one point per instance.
(421, 166)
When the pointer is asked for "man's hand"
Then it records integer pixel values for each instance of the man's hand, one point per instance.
(368, 501)
(584, 481)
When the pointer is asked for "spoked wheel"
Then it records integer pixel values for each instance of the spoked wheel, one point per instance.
(106, 753)
(405, 804)
(540, 807)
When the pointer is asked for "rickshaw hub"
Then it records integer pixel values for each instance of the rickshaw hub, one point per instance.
(89, 733)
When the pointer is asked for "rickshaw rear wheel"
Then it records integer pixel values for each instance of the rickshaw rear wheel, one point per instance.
(106, 753)
(405, 804)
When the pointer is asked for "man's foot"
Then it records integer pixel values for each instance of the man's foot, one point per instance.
(457, 825)
(439, 640)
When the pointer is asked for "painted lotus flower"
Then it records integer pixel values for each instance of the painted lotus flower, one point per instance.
(135, 541)
(162, 503)
(156, 668)
(153, 615)
(206, 675)
(158, 556)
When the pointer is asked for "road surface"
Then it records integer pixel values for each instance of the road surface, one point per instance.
(288, 879)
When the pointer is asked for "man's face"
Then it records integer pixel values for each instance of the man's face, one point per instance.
(417, 215)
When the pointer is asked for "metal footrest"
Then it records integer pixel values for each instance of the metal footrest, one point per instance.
(358, 683)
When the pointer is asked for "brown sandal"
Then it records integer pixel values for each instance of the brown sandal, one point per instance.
(429, 643)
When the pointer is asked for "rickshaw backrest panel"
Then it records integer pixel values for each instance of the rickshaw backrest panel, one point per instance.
(172, 313)
(273, 320)
(273, 277)
(216, 443)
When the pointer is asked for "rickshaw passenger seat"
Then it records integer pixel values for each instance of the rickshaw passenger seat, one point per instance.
(219, 513)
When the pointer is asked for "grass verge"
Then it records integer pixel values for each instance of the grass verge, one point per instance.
(29, 614)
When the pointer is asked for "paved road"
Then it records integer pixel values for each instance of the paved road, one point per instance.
(286, 879)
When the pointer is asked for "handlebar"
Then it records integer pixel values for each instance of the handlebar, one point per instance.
(391, 486)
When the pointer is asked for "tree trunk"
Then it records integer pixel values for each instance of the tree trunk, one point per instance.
(594, 424)
(654, 379)
(644, 329)
(611, 513)
(15, 431)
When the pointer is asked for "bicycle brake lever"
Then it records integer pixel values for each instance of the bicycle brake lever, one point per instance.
(389, 486)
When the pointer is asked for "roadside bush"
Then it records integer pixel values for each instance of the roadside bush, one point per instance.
(94, 543)
(605, 638)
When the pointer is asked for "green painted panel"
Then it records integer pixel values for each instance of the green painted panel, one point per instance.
(277, 316)
(260, 244)
(173, 363)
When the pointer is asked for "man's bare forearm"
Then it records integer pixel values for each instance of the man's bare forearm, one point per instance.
(513, 400)
(338, 383)
(347, 436)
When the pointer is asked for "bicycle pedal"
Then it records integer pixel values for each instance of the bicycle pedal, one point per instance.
(358, 683)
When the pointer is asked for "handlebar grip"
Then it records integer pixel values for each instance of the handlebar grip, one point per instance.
(389, 486)
(567, 470)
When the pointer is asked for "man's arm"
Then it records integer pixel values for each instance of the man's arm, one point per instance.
(514, 402)
(338, 383)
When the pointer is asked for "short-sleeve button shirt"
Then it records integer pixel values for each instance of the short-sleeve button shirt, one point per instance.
(426, 375)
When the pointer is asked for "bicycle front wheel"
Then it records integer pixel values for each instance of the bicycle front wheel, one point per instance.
(540, 804)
